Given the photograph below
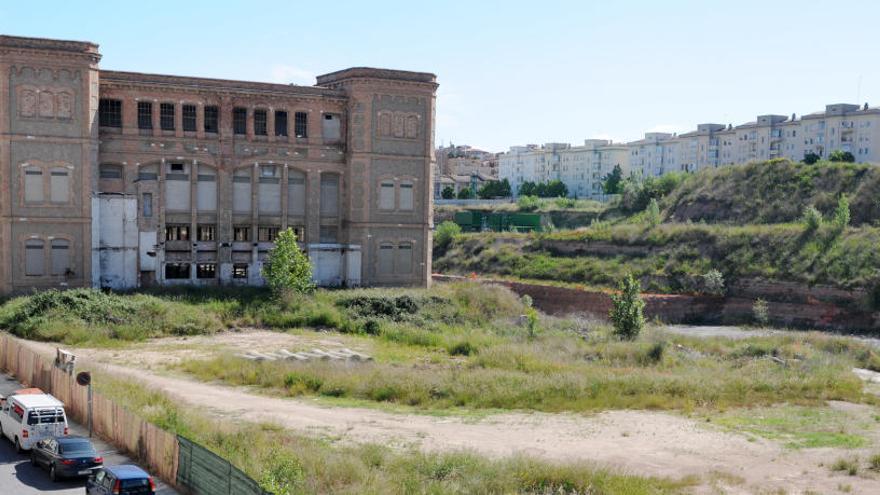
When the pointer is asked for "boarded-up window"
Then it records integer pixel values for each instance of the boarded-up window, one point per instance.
(110, 172)
(241, 191)
(60, 256)
(147, 205)
(404, 260)
(386, 195)
(386, 259)
(59, 185)
(33, 185)
(406, 195)
(329, 195)
(331, 128)
(206, 189)
(269, 190)
(296, 192)
(177, 188)
(33, 258)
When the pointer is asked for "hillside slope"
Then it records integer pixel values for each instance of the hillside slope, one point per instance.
(776, 191)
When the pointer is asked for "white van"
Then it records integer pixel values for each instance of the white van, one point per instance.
(27, 419)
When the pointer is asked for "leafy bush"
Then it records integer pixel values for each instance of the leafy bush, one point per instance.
(528, 203)
(812, 218)
(841, 156)
(495, 189)
(841, 213)
(761, 312)
(810, 158)
(627, 309)
(713, 283)
(446, 234)
(288, 268)
(552, 189)
(395, 308)
(463, 348)
(652, 213)
(466, 193)
(448, 193)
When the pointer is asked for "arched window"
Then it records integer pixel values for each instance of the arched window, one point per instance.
(33, 185)
(60, 256)
(59, 185)
(386, 258)
(406, 194)
(404, 259)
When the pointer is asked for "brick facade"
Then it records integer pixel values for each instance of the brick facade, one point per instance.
(119, 179)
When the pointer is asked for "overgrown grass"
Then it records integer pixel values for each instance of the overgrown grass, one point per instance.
(558, 371)
(287, 463)
(799, 427)
(673, 257)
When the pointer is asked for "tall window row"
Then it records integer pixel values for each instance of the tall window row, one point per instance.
(110, 115)
(44, 257)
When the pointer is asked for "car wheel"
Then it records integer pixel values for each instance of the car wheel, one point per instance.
(52, 475)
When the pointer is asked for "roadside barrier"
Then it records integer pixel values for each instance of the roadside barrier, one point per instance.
(181, 463)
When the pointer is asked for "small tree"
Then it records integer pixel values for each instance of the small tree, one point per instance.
(810, 158)
(447, 193)
(713, 283)
(761, 312)
(528, 203)
(842, 156)
(531, 315)
(652, 213)
(627, 309)
(613, 183)
(287, 268)
(841, 213)
(466, 193)
(812, 218)
(527, 189)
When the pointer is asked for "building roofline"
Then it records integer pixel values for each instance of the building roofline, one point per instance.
(111, 76)
(48, 44)
(376, 73)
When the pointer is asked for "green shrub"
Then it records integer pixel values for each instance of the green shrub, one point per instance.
(528, 203)
(849, 466)
(841, 156)
(627, 309)
(463, 348)
(652, 213)
(761, 312)
(448, 193)
(842, 213)
(812, 218)
(713, 283)
(446, 234)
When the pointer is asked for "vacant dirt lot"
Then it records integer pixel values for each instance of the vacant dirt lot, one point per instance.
(640, 442)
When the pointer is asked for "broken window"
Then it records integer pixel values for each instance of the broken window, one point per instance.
(406, 195)
(329, 234)
(241, 234)
(267, 234)
(176, 168)
(301, 124)
(239, 270)
(386, 195)
(60, 256)
(206, 233)
(176, 232)
(145, 115)
(33, 254)
(189, 118)
(176, 271)
(212, 119)
(110, 113)
(147, 205)
(260, 122)
(239, 121)
(166, 116)
(206, 270)
(110, 172)
(280, 123)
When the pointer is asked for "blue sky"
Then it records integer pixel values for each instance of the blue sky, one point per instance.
(510, 72)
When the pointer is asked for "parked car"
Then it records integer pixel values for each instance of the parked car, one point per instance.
(120, 480)
(26, 419)
(66, 457)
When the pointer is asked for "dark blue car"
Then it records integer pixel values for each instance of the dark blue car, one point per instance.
(66, 457)
(120, 480)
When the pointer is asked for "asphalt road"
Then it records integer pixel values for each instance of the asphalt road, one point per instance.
(18, 477)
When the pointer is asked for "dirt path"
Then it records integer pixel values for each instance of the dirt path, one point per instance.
(638, 442)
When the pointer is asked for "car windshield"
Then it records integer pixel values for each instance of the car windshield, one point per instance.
(136, 486)
(83, 448)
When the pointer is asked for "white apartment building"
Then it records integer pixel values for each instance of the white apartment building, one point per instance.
(581, 168)
(840, 126)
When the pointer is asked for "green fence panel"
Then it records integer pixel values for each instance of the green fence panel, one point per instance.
(203, 472)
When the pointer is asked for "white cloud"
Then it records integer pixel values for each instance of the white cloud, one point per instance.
(286, 74)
